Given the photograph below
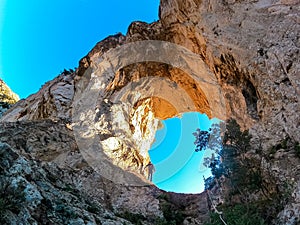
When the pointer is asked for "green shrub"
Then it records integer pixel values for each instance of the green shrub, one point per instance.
(163, 196)
(132, 217)
(161, 221)
(241, 214)
(171, 214)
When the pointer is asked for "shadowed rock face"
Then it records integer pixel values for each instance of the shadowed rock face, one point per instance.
(252, 50)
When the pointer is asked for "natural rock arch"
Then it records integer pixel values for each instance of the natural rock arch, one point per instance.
(127, 99)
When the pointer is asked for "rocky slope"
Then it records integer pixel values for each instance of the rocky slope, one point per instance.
(249, 49)
(53, 101)
(45, 180)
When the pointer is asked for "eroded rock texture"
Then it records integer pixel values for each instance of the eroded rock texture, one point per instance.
(252, 50)
(44, 173)
(53, 101)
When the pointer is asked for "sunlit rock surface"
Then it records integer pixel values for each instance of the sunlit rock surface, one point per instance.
(53, 101)
(252, 50)
(7, 97)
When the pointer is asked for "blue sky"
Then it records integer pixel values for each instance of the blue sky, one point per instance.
(39, 38)
(178, 167)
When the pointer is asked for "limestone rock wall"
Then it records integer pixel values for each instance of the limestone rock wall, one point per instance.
(52, 101)
(252, 49)
(46, 179)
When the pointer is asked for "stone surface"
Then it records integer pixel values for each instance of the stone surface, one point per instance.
(53, 101)
(252, 50)
(56, 184)
(34, 194)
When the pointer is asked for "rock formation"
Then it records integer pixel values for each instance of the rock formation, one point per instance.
(251, 49)
(54, 183)
(7, 97)
(53, 101)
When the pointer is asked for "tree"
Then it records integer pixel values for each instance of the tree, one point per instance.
(202, 138)
(227, 145)
(211, 139)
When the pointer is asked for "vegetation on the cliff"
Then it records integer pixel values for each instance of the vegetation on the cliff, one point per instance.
(240, 214)
(249, 196)
(172, 215)
(6, 95)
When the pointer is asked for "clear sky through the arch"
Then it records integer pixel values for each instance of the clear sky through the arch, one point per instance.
(178, 167)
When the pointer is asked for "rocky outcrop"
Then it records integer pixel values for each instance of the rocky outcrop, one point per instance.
(251, 49)
(7, 97)
(32, 193)
(248, 49)
(53, 101)
(54, 183)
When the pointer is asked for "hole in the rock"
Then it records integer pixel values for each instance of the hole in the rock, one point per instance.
(249, 93)
(178, 168)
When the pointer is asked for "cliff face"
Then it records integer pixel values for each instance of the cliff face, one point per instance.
(53, 101)
(251, 49)
(44, 178)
